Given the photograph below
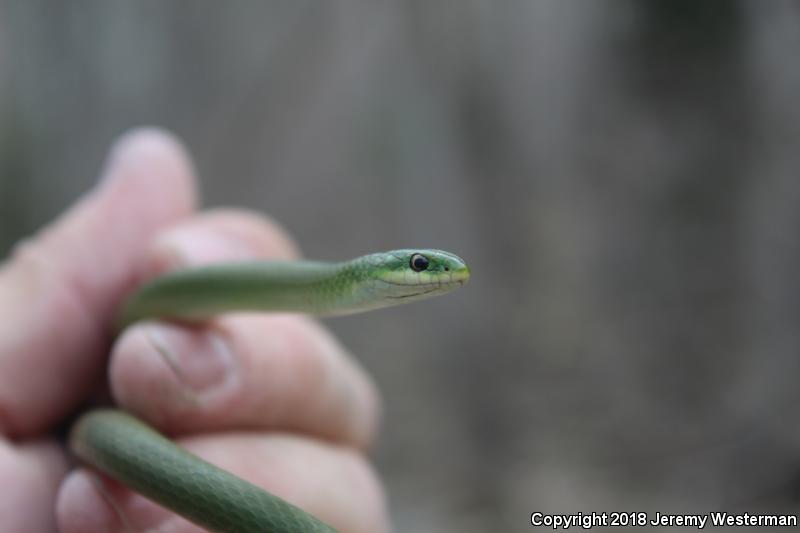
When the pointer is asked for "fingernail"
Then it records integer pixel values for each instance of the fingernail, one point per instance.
(197, 245)
(136, 146)
(201, 360)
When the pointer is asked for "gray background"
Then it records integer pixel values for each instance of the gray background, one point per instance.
(622, 176)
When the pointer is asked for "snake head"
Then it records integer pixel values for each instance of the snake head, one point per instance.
(418, 273)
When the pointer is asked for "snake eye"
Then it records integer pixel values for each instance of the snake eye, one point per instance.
(419, 262)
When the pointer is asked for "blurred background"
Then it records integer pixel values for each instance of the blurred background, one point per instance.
(622, 176)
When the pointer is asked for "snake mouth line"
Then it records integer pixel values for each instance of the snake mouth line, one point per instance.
(440, 283)
(399, 284)
(434, 289)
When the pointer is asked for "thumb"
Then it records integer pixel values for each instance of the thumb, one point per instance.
(60, 290)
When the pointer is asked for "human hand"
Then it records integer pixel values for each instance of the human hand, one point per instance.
(272, 398)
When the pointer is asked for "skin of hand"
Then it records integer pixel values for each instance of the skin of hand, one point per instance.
(272, 398)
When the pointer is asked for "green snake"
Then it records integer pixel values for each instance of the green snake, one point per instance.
(124, 448)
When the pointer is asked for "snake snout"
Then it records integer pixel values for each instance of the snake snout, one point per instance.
(461, 275)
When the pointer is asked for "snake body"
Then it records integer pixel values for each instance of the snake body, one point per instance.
(124, 448)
